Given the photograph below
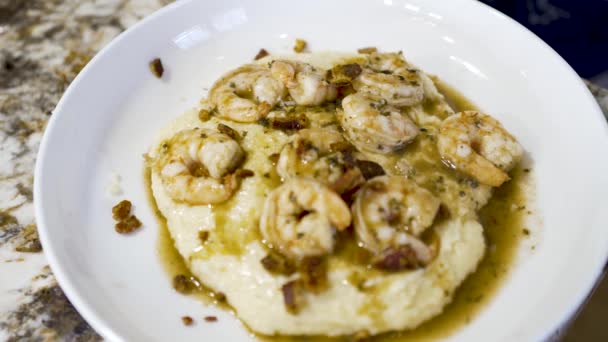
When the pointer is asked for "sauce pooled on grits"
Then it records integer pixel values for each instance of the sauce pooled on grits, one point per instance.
(332, 194)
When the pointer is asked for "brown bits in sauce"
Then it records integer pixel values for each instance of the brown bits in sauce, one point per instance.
(261, 54)
(219, 296)
(367, 50)
(339, 146)
(293, 296)
(274, 158)
(122, 210)
(203, 236)
(210, 319)
(392, 214)
(244, 173)
(156, 66)
(197, 169)
(182, 284)
(344, 73)
(127, 223)
(278, 264)
(300, 45)
(187, 320)
(185, 284)
(314, 274)
(370, 169)
(229, 131)
(398, 259)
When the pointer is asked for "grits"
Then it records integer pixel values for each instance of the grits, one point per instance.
(358, 298)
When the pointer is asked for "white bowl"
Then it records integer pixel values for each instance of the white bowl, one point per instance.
(112, 111)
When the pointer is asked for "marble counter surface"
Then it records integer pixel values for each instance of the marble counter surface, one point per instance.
(43, 46)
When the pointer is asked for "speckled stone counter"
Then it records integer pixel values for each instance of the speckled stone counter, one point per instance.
(43, 46)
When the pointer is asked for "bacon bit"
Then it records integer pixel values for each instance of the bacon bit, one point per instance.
(204, 115)
(343, 74)
(187, 320)
(367, 50)
(369, 169)
(210, 319)
(314, 274)
(261, 54)
(397, 259)
(156, 66)
(244, 173)
(274, 158)
(278, 264)
(203, 236)
(128, 225)
(298, 122)
(291, 123)
(350, 179)
(122, 210)
(293, 296)
(300, 45)
(229, 131)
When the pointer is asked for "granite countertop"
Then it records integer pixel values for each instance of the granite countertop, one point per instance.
(43, 46)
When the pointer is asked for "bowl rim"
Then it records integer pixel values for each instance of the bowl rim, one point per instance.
(88, 312)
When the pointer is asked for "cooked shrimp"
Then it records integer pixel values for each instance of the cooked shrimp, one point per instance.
(478, 145)
(388, 76)
(300, 218)
(319, 153)
(306, 84)
(246, 94)
(374, 126)
(392, 211)
(196, 166)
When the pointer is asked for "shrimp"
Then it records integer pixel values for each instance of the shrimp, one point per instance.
(196, 166)
(479, 146)
(374, 126)
(320, 153)
(392, 211)
(306, 84)
(300, 218)
(246, 94)
(388, 76)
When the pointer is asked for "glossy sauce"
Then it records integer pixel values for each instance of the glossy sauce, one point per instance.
(503, 219)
